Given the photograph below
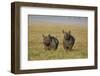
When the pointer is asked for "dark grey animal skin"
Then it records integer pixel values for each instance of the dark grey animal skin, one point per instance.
(50, 42)
(68, 40)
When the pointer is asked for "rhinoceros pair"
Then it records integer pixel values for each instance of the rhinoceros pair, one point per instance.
(51, 42)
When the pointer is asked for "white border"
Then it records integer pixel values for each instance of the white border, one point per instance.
(25, 64)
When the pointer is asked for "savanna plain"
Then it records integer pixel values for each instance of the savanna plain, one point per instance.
(35, 41)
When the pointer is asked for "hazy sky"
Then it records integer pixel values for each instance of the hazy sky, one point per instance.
(58, 19)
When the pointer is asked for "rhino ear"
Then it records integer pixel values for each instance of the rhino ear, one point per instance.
(43, 35)
(63, 31)
(49, 35)
(69, 32)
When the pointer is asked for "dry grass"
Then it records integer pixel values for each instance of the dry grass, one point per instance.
(35, 45)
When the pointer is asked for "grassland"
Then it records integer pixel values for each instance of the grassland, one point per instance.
(35, 45)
